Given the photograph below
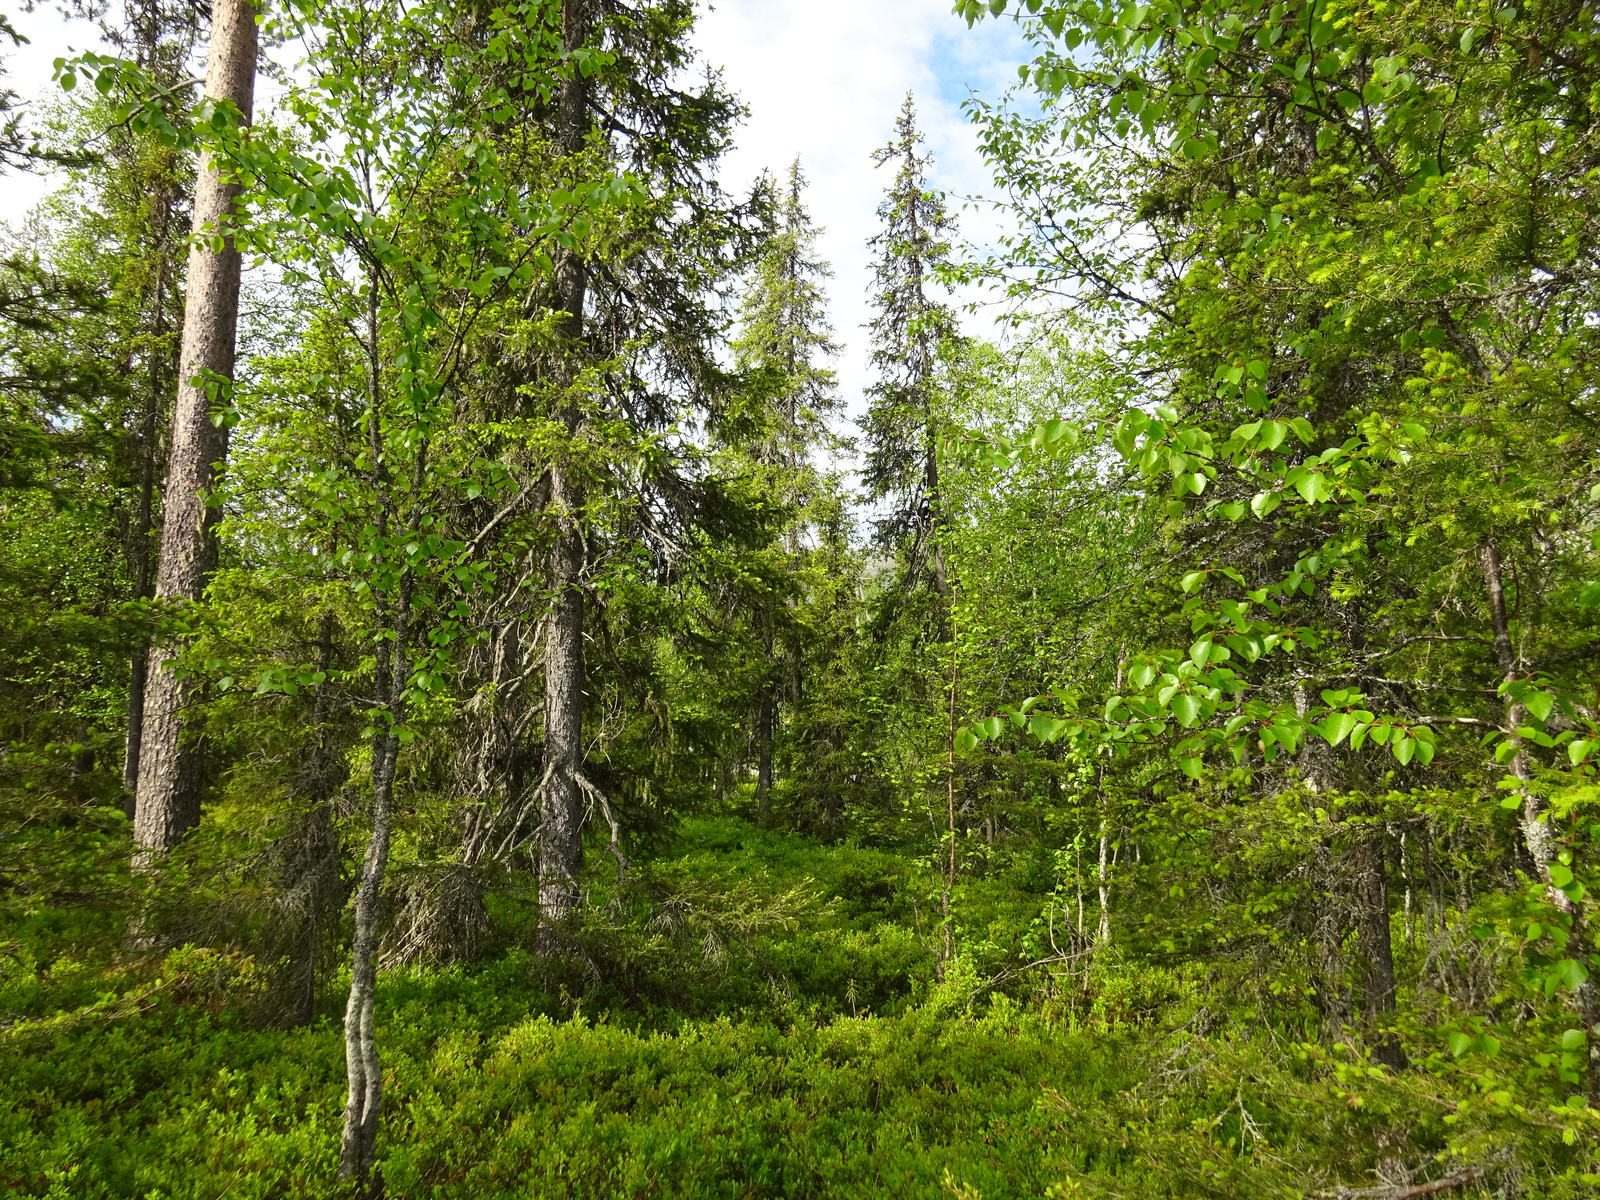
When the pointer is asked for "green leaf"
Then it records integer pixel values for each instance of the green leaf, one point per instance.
(1540, 704)
(1574, 1039)
(1460, 1042)
(1560, 874)
(1313, 488)
(1404, 749)
(1192, 767)
(1200, 652)
(1186, 708)
(1570, 972)
(1264, 503)
(1337, 727)
(1193, 580)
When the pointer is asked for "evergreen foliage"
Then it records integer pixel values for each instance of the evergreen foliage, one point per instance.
(1187, 788)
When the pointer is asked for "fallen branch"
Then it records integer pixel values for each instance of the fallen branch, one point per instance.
(1407, 1191)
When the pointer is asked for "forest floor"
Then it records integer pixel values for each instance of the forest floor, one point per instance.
(792, 1042)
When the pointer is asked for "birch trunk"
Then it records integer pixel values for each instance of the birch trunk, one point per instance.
(167, 794)
(1537, 836)
(363, 1069)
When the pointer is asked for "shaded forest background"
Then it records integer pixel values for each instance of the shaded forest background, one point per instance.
(476, 720)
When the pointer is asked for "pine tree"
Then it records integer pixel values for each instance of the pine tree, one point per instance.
(167, 803)
(784, 342)
(908, 333)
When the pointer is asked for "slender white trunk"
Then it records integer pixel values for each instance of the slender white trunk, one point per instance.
(1104, 936)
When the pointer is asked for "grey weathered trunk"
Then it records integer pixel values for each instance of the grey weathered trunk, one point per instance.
(561, 833)
(1103, 880)
(143, 579)
(1370, 892)
(561, 810)
(1365, 868)
(142, 557)
(167, 795)
(766, 726)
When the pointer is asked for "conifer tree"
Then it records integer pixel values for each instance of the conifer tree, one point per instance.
(785, 340)
(786, 336)
(619, 350)
(167, 802)
(908, 331)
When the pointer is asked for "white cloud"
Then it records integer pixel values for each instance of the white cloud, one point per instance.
(29, 70)
(825, 79)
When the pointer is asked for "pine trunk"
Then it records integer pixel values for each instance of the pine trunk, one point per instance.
(167, 796)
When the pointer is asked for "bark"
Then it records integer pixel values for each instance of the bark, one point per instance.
(766, 725)
(1537, 835)
(561, 812)
(561, 829)
(948, 945)
(306, 864)
(142, 556)
(167, 795)
(1374, 948)
(1103, 880)
(1368, 891)
(363, 1070)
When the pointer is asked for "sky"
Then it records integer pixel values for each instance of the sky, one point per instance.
(823, 79)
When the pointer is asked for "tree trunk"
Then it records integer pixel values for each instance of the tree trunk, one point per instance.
(561, 825)
(766, 723)
(141, 551)
(1537, 835)
(1103, 879)
(1368, 893)
(363, 1070)
(139, 668)
(561, 836)
(167, 797)
(1374, 948)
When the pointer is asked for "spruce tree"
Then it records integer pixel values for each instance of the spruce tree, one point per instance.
(786, 339)
(610, 360)
(909, 329)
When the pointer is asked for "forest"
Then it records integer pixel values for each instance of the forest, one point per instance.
(484, 713)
